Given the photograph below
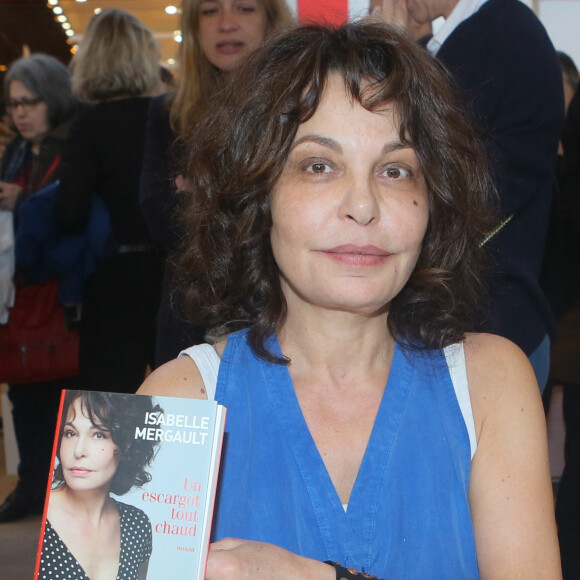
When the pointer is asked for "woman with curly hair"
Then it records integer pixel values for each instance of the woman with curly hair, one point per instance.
(95, 535)
(337, 207)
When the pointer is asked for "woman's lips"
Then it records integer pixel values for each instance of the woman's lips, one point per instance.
(230, 47)
(353, 255)
(80, 471)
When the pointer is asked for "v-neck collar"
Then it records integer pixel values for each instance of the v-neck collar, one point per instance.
(325, 501)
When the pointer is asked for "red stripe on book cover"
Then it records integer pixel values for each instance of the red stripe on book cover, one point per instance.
(49, 485)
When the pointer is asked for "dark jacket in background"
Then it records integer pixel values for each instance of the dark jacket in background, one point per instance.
(103, 157)
(507, 69)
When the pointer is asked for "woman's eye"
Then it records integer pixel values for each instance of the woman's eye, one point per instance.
(396, 173)
(100, 435)
(247, 9)
(208, 10)
(318, 168)
(68, 433)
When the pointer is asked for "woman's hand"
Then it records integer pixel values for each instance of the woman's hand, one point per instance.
(9, 193)
(232, 559)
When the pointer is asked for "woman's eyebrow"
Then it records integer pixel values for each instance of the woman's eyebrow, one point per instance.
(321, 140)
(395, 146)
(335, 145)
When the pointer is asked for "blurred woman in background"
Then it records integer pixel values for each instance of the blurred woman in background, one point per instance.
(116, 71)
(40, 102)
(217, 34)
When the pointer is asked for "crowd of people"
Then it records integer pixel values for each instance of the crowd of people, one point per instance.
(359, 220)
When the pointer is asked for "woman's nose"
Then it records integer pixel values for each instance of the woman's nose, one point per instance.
(19, 110)
(360, 201)
(80, 447)
(228, 21)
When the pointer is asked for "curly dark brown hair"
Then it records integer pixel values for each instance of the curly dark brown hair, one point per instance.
(119, 414)
(239, 144)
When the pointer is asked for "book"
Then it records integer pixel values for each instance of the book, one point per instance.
(154, 461)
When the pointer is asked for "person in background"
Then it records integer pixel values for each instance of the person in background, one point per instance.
(570, 77)
(560, 275)
(116, 71)
(337, 200)
(565, 352)
(494, 50)
(40, 102)
(167, 79)
(217, 34)
(7, 132)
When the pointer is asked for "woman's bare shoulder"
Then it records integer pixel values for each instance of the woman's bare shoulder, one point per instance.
(493, 361)
(501, 379)
(179, 377)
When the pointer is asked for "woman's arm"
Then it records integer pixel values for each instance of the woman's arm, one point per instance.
(231, 559)
(510, 492)
(177, 378)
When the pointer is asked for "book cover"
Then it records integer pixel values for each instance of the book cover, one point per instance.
(132, 487)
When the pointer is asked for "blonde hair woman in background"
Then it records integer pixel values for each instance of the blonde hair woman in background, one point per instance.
(217, 34)
(132, 73)
(116, 71)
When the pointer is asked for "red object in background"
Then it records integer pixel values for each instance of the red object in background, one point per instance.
(323, 11)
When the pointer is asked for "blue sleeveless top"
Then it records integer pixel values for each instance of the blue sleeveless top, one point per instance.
(408, 515)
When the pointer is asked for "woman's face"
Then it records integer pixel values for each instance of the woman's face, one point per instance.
(88, 454)
(350, 209)
(230, 30)
(29, 115)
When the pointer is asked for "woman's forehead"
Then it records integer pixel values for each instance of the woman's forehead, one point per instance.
(339, 109)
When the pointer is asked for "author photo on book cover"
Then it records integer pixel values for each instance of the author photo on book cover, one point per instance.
(336, 207)
(88, 533)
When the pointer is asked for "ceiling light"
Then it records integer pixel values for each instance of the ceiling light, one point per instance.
(66, 25)
(52, 2)
(58, 10)
(79, 1)
(97, 10)
(177, 36)
(70, 32)
(61, 18)
(171, 9)
(170, 61)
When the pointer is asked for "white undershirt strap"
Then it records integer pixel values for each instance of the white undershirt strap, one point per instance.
(455, 356)
(208, 363)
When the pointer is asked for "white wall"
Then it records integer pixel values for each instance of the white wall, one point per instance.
(562, 21)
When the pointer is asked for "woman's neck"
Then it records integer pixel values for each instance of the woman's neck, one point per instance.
(91, 504)
(337, 343)
(35, 147)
